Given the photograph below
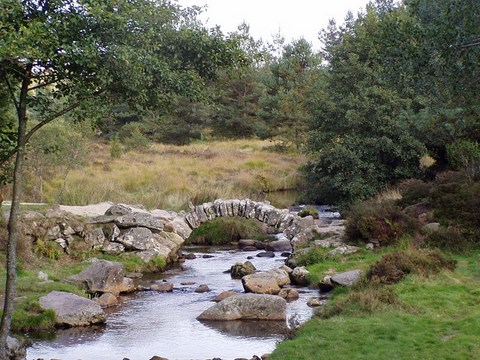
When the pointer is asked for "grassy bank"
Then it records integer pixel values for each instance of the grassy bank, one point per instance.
(168, 177)
(419, 298)
(432, 317)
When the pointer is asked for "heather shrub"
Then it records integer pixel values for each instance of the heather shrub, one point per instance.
(414, 191)
(383, 221)
(392, 268)
(452, 239)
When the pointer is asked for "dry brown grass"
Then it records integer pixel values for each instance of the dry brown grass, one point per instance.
(168, 176)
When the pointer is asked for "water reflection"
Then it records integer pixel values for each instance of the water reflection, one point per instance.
(248, 329)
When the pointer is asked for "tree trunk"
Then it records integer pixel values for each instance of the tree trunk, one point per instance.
(13, 221)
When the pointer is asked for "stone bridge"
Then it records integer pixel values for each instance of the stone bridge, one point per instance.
(277, 220)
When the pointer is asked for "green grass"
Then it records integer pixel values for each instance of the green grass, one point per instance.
(222, 231)
(321, 264)
(433, 317)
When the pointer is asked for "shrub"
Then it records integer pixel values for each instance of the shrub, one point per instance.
(226, 230)
(450, 239)
(414, 191)
(309, 211)
(456, 199)
(47, 249)
(312, 256)
(115, 148)
(392, 268)
(382, 221)
(361, 301)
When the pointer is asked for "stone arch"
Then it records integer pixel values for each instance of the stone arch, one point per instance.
(279, 220)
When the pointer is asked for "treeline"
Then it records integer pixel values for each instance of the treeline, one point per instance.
(393, 90)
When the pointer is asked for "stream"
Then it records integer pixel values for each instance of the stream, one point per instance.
(164, 324)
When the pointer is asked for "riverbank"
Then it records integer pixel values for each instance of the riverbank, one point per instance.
(419, 295)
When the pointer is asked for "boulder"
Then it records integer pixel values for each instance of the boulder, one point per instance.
(430, 227)
(72, 310)
(289, 294)
(141, 219)
(332, 241)
(180, 227)
(347, 278)
(118, 210)
(267, 254)
(344, 250)
(94, 237)
(223, 295)
(279, 246)
(202, 289)
(266, 282)
(16, 350)
(107, 300)
(246, 242)
(137, 238)
(299, 276)
(162, 287)
(247, 307)
(316, 301)
(259, 284)
(113, 248)
(102, 277)
(239, 270)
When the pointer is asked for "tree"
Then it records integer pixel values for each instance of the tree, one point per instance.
(60, 55)
(289, 83)
(358, 143)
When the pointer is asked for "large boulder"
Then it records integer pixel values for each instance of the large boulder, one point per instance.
(102, 277)
(72, 310)
(247, 307)
(266, 282)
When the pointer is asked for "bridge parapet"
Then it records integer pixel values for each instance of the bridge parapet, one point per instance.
(279, 220)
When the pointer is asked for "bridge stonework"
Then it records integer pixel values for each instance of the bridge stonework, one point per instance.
(279, 220)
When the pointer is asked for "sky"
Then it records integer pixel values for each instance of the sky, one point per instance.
(292, 18)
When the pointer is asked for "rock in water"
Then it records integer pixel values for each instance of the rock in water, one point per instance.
(72, 310)
(247, 307)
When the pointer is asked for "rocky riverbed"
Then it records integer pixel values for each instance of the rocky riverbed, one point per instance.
(165, 323)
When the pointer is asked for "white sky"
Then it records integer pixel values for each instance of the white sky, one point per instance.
(294, 18)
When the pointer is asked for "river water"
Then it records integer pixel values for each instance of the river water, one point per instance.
(164, 324)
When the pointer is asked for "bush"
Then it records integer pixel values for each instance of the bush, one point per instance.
(227, 230)
(392, 268)
(361, 301)
(450, 239)
(456, 200)
(382, 221)
(115, 148)
(312, 256)
(414, 191)
(309, 211)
